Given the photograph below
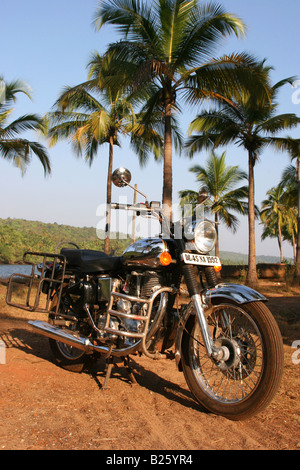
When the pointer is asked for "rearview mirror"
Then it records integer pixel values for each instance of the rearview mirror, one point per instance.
(121, 177)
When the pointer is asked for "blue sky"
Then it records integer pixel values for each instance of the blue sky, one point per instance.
(48, 44)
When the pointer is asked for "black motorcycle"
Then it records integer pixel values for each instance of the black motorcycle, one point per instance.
(223, 337)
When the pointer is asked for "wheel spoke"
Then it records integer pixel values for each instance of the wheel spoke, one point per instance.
(234, 380)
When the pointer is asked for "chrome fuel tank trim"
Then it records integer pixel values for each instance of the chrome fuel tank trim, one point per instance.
(144, 253)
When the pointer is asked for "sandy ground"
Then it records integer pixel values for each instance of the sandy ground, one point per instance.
(44, 407)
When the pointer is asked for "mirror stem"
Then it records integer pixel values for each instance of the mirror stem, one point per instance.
(135, 189)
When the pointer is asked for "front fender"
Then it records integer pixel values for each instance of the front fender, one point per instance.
(235, 293)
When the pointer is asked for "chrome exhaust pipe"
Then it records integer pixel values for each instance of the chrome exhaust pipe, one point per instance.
(66, 337)
(84, 344)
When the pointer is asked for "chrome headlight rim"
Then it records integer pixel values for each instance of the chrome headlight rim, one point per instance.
(205, 236)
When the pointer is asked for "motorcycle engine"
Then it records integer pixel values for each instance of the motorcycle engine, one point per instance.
(136, 284)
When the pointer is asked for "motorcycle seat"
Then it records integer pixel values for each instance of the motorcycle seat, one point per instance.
(91, 261)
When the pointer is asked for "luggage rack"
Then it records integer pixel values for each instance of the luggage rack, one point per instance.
(24, 291)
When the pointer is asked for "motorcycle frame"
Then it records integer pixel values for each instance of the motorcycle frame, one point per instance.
(89, 347)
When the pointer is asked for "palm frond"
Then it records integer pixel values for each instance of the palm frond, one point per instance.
(24, 123)
(278, 123)
(20, 152)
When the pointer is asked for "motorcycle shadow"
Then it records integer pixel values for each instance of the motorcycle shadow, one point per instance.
(27, 342)
(143, 377)
(132, 373)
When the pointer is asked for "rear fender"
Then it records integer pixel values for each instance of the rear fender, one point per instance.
(222, 293)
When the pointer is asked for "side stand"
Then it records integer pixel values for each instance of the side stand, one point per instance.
(112, 362)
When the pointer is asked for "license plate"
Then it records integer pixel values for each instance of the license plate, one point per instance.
(201, 260)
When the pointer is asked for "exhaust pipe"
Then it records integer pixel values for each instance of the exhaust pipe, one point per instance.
(84, 344)
(66, 337)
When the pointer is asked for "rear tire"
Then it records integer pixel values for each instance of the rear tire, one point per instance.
(68, 357)
(246, 383)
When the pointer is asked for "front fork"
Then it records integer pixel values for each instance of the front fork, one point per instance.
(190, 275)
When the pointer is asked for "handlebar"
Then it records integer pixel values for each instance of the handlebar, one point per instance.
(146, 210)
(131, 207)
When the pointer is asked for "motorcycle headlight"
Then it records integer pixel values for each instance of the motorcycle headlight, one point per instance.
(205, 236)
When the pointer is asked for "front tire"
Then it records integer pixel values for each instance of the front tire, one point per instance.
(247, 381)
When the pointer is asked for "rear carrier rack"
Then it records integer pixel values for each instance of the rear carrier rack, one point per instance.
(24, 291)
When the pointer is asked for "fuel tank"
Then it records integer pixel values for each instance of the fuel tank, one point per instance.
(146, 253)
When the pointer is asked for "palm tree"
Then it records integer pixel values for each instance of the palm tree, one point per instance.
(294, 151)
(221, 181)
(289, 183)
(80, 116)
(12, 147)
(253, 125)
(273, 215)
(167, 49)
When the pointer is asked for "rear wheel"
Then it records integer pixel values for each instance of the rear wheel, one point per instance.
(245, 383)
(68, 357)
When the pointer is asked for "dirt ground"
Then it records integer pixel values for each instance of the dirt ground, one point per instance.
(43, 407)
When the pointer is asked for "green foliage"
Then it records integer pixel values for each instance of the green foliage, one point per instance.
(12, 147)
(18, 236)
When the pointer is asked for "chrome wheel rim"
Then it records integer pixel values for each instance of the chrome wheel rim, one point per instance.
(69, 352)
(236, 379)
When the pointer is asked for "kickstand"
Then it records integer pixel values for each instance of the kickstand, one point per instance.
(110, 363)
(129, 370)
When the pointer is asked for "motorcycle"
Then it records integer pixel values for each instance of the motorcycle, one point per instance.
(223, 337)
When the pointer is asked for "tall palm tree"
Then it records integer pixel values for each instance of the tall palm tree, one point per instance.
(251, 124)
(290, 185)
(273, 215)
(221, 182)
(167, 47)
(12, 147)
(294, 151)
(91, 117)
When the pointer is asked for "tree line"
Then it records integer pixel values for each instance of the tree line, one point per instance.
(18, 236)
(166, 57)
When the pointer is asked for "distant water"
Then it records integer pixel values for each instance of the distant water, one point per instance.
(6, 270)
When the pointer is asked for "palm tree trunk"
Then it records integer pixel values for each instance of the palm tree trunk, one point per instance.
(297, 274)
(252, 279)
(108, 196)
(294, 246)
(217, 249)
(280, 241)
(167, 175)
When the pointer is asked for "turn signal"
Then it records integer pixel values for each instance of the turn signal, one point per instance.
(165, 258)
(218, 269)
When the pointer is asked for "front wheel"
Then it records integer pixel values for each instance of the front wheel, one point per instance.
(246, 382)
